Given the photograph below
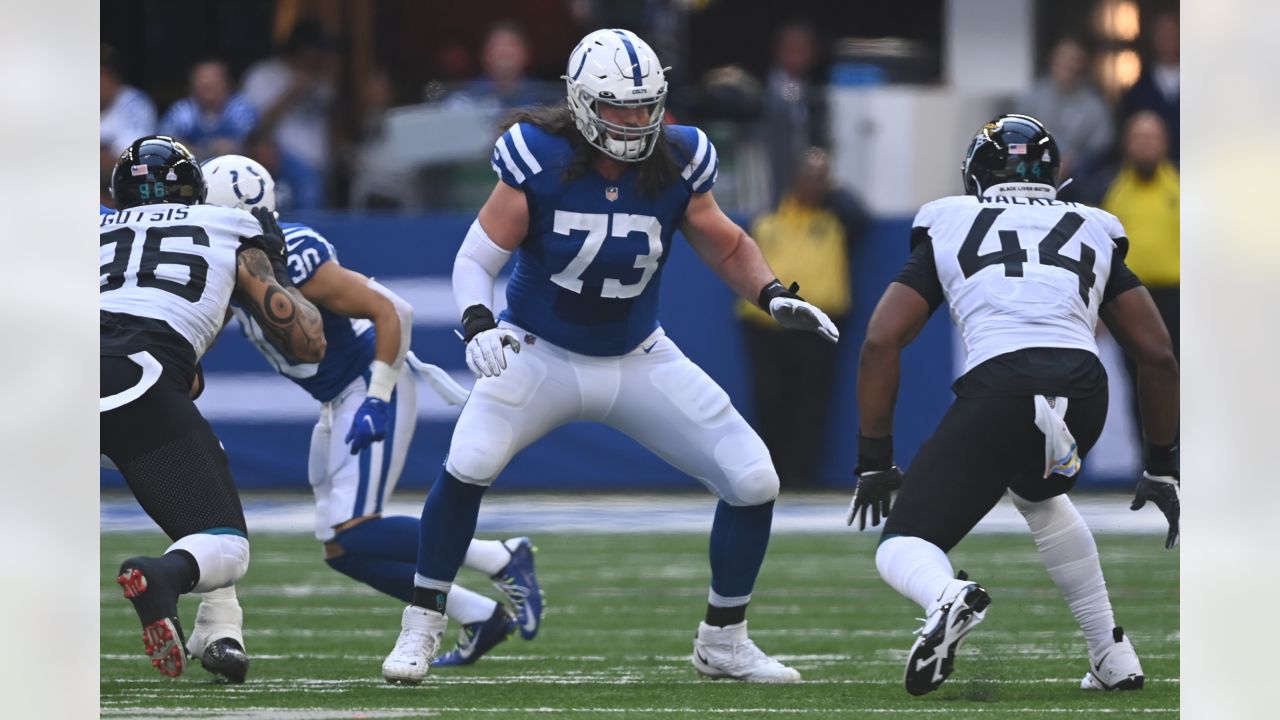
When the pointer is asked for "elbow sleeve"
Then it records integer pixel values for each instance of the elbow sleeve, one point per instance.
(475, 268)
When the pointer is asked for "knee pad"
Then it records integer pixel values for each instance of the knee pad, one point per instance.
(474, 463)
(756, 487)
(749, 476)
(223, 559)
(480, 450)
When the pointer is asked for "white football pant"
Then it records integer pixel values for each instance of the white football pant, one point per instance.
(347, 486)
(653, 394)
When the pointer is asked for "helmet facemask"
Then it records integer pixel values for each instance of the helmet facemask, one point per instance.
(621, 142)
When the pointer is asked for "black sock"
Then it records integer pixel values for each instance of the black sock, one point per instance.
(722, 616)
(182, 567)
(430, 599)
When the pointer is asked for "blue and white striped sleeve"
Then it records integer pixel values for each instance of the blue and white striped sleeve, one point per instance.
(703, 168)
(512, 159)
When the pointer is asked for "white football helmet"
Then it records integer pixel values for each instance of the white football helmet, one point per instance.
(618, 68)
(239, 182)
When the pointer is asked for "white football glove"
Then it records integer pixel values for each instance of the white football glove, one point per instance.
(485, 355)
(800, 315)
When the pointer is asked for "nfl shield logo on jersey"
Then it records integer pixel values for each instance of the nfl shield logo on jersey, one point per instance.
(611, 193)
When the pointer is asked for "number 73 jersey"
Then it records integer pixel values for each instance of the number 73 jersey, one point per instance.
(175, 263)
(1021, 272)
(587, 272)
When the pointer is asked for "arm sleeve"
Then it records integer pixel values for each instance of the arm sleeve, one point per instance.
(921, 272)
(475, 268)
(1121, 278)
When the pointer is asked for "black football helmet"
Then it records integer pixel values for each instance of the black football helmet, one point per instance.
(157, 169)
(1011, 148)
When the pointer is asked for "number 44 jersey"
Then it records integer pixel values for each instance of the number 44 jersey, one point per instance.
(1018, 272)
(173, 263)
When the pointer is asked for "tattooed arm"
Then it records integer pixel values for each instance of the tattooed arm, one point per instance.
(288, 320)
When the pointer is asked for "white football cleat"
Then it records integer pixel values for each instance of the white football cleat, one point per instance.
(962, 605)
(420, 633)
(727, 652)
(1116, 669)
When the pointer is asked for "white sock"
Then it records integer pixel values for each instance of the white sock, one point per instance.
(222, 559)
(916, 568)
(1071, 556)
(219, 616)
(487, 556)
(468, 607)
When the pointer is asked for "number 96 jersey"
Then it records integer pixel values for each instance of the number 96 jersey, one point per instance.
(587, 272)
(174, 263)
(1021, 272)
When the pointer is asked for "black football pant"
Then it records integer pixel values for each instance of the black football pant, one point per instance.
(167, 452)
(982, 447)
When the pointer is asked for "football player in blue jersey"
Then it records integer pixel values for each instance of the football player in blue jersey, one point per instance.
(589, 196)
(368, 413)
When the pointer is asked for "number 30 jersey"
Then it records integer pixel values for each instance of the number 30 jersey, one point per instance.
(1018, 272)
(587, 272)
(172, 263)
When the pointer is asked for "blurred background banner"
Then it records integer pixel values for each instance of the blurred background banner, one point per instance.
(834, 122)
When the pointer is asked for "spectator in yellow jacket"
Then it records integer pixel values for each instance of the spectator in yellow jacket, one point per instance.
(1144, 195)
(807, 238)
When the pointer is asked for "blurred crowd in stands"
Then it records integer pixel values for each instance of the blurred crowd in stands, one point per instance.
(1121, 154)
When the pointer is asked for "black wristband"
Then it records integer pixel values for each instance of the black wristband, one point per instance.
(475, 320)
(875, 453)
(1161, 459)
(775, 289)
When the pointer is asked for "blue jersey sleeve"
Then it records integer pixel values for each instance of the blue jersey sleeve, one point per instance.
(307, 249)
(104, 210)
(697, 154)
(516, 153)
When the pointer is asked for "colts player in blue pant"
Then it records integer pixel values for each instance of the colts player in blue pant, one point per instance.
(368, 411)
(590, 194)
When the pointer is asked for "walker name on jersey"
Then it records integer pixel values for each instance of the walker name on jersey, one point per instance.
(1042, 202)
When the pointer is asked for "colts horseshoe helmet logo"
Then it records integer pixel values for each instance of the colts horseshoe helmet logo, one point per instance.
(235, 185)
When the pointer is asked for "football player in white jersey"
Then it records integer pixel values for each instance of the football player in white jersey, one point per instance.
(368, 412)
(1026, 276)
(588, 199)
(169, 266)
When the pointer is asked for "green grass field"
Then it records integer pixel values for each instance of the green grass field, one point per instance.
(621, 612)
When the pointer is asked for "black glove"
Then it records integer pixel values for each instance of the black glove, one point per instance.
(878, 479)
(1160, 484)
(1163, 491)
(273, 244)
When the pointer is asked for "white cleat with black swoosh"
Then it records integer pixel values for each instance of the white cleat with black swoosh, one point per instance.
(1117, 668)
(727, 652)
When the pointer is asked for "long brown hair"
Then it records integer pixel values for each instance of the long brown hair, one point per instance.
(657, 172)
